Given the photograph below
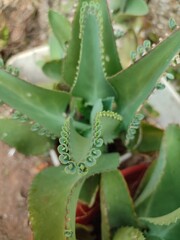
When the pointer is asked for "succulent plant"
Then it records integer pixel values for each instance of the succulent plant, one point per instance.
(95, 102)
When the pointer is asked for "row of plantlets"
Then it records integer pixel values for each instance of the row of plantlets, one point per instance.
(96, 104)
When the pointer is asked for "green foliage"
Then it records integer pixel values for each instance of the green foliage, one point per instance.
(140, 75)
(116, 204)
(59, 193)
(20, 136)
(151, 137)
(53, 69)
(165, 227)
(58, 21)
(41, 105)
(160, 183)
(98, 104)
(129, 7)
(128, 233)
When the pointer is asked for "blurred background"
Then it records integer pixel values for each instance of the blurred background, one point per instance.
(24, 24)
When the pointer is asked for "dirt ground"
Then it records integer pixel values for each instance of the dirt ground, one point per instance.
(27, 26)
(16, 174)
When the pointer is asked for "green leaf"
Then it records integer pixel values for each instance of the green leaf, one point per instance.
(112, 62)
(98, 107)
(56, 51)
(166, 227)
(110, 129)
(116, 204)
(60, 27)
(128, 233)
(85, 46)
(72, 58)
(20, 136)
(89, 190)
(53, 69)
(161, 195)
(135, 84)
(129, 7)
(41, 105)
(136, 8)
(118, 5)
(79, 145)
(110, 122)
(53, 197)
(151, 137)
(51, 203)
(80, 152)
(90, 82)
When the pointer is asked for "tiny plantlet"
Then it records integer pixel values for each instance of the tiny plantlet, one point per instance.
(93, 105)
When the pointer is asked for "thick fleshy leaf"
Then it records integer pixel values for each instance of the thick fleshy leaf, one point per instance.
(50, 202)
(135, 84)
(60, 27)
(136, 8)
(79, 145)
(160, 195)
(116, 204)
(19, 136)
(53, 69)
(53, 198)
(86, 150)
(151, 137)
(82, 50)
(110, 129)
(129, 7)
(89, 190)
(128, 233)
(166, 227)
(90, 83)
(55, 50)
(41, 105)
(112, 63)
(72, 58)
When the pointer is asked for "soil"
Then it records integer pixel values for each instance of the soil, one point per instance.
(16, 174)
(28, 27)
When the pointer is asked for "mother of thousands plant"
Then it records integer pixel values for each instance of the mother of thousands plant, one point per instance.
(95, 103)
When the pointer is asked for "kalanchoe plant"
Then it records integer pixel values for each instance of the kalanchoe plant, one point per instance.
(95, 103)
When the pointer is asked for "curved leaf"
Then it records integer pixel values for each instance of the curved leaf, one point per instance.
(166, 227)
(60, 27)
(112, 64)
(76, 151)
(53, 198)
(20, 136)
(161, 195)
(71, 60)
(41, 105)
(53, 69)
(128, 233)
(50, 201)
(116, 203)
(90, 82)
(151, 137)
(135, 84)
(129, 7)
